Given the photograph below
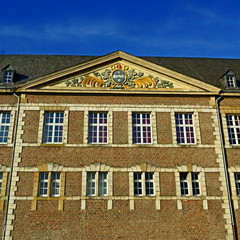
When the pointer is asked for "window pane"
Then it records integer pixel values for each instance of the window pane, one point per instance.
(102, 184)
(43, 184)
(53, 127)
(237, 183)
(98, 128)
(141, 128)
(149, 184)
(137, 177)
(4, 127)
(233, 124)
(91, 183)
(185, 129)
(184, 183)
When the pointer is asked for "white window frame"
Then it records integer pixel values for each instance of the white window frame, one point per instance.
(1, 182)
(144, 128)
(55, 132)
(98, 125)
(187, 128)
(5, 119)
(43, 186)
(51, 184)
(237, 182)
(95, 184)
(231, 81)
(142, 182)
(55, 184)
(233, 129)
(8, 76)
(188, 184)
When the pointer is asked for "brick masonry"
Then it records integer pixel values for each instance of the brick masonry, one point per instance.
(74, 215)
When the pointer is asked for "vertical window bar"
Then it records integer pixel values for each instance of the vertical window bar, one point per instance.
(231, 81)
(102, 184)
(184, 184)
(55, 184)
(233, 124)
(149, 181)
(195, 184)
(138, 191)
(43, 184)
(1, 178)
(91, 183)
(237, 183)
(8, 76)
(4, 127)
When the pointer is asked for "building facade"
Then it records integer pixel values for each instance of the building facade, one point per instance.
(119, 147)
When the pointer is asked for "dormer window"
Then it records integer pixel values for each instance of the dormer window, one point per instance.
(230, 79)
(7, 74)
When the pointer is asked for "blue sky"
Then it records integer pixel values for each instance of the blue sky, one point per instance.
(175, 28)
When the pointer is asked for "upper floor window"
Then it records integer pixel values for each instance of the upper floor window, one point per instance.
(98, 128)
(230, 79)
(49, 184)
(4, 127)
(7, 74)
(143, 184)
(1, 179)
(237, 183)
(53, 127)
(141, 128)
(189, 183)
(185, 128)
(97, 184)
(233, 124)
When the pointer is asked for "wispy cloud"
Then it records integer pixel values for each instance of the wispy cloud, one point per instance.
(59, 31)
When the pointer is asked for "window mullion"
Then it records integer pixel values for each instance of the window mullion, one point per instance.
(49, 184)
(141, 127)
(185, 129)
(96, 183)
(190, 183)
(143, 179)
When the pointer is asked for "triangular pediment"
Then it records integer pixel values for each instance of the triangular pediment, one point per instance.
(117, 71)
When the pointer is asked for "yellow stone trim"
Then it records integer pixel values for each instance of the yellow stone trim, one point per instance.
(23, 98)
(54, 108)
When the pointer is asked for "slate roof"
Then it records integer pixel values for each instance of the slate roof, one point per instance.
(209, 70)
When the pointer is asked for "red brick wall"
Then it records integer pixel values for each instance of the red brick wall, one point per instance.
(8, 99)
(121, 184)
(96, 222)
(213, 184)
(75, 127)
(119, 99)
(230, 102)
(167, 184)
(5, 156)
(206, 128)
(30, 128)
(118, 156)
(73, 184)
(25, 184)
(233, 156)
(120, 128)
(164, 128)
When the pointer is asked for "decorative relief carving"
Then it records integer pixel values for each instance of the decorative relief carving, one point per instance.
(118, 77)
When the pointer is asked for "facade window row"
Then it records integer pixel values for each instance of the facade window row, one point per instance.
(97, 184)
(98, 128)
